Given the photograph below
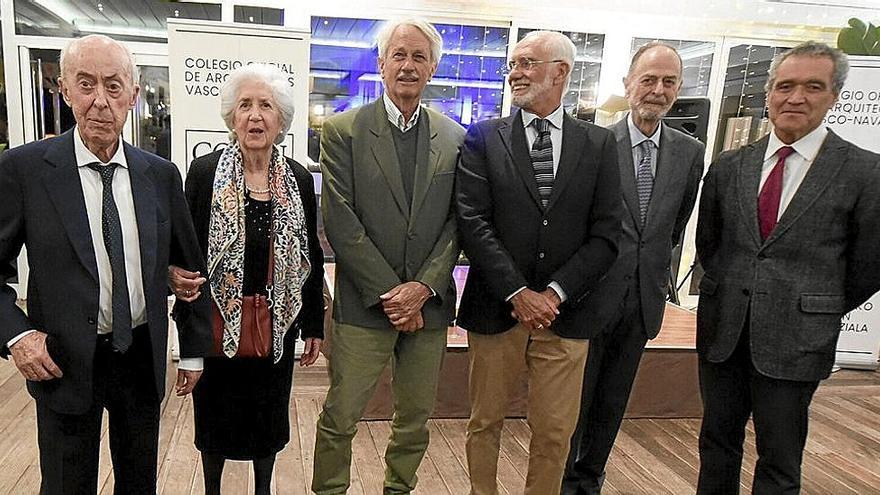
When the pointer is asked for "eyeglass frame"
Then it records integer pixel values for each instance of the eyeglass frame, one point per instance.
(526, 64)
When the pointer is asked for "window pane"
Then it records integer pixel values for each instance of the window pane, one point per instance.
(696, 58)
(259, 15)
(743, 118)
(144, 20)
(153, 111)
(580, 99)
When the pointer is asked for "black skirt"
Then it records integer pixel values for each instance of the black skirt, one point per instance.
(242, 406)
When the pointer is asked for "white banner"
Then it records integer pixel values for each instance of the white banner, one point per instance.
(200, 56)
(856, 118)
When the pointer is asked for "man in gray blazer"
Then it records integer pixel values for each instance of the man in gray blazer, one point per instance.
(660, 171)
(387, 202)
(788, 233)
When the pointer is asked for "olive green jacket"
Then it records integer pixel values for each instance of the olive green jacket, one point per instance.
(379, 239)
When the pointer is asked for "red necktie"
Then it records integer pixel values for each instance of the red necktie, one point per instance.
(768, 200)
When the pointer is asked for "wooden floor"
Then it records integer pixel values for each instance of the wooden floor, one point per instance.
(650, 456)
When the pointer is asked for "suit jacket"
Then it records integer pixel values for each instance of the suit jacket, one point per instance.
(512, 241)
(199, 192)
(645, 250)
(43, 208)
(819, 263)
(380, 240)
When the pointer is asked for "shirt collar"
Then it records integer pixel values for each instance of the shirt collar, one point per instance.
(807, 146)
(395, 116)
(555, 117)
(636, 136)
(84, 156)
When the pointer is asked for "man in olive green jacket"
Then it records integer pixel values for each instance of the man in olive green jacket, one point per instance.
(388, 170)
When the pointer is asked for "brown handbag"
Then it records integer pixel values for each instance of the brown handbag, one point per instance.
(255, 338)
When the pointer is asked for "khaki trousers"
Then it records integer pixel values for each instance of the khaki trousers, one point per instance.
(555, 368)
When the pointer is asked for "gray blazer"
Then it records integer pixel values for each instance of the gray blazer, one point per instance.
(645, 250)
(380, 239)
(820, 262)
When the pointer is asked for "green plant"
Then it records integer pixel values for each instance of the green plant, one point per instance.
(859, 38)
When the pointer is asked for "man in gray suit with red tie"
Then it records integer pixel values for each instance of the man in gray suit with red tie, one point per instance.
(788, 233)
(660, 171)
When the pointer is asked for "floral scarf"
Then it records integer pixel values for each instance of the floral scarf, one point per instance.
(226, 243)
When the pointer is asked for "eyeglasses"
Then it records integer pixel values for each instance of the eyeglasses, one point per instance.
(527, 64)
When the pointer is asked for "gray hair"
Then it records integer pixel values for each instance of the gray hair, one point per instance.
(75, 45)
(813, 49)
(560, 46)
(649, 46)
(428, 29)
(274, 77)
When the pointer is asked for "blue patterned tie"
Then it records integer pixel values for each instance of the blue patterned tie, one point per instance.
(542, 160)
(111, 228)
(645, 178)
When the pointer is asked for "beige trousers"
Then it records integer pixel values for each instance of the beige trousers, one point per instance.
(555, 368)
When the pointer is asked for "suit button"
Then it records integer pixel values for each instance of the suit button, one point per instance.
(762, 256)
(92, 321)
(541, 255)
(545, 222)
(745, 292)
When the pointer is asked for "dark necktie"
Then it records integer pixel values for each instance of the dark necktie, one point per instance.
(645, 178)
(111, 228)
(768, 199)
(542, 160)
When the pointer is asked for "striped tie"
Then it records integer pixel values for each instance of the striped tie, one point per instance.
(645, 178)
(542, 160)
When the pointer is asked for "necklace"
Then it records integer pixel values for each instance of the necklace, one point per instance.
(255, 190)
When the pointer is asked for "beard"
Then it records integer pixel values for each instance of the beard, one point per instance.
(652, 113)
(526, 99)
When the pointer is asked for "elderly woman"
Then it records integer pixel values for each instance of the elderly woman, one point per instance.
(255, 216)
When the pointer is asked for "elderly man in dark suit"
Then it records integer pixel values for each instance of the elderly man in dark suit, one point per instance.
(788, 232)
(387, 202)
(538, 199)
(660, 171)
(101, 221)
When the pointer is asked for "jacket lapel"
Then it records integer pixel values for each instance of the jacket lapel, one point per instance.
(66, 193)
(749, 176)
(627, 175)
(428, 149)
(667, 164)
(385, 155)
(513, 135)
(145, 199)
(829, 160)
(573, 141)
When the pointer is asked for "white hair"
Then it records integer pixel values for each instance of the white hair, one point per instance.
(428, 29)
(559, 45)
(275, 78)
(75, 45)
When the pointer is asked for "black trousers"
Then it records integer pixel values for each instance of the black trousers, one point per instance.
(69, 443)
(731, 391)
(608, 378)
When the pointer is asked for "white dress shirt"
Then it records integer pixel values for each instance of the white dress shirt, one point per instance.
(93, 195)
(796, 165)
(395, 116)
(555, 120)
